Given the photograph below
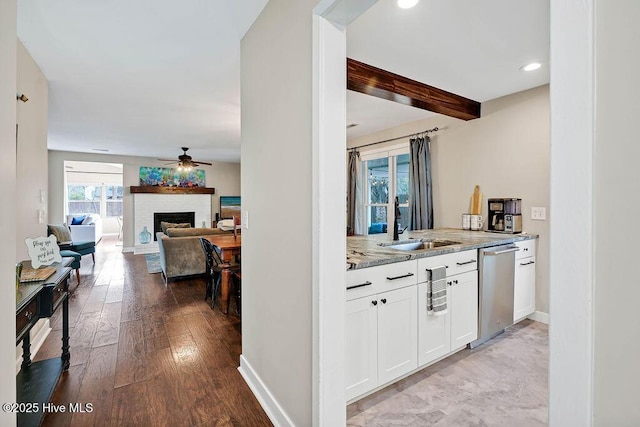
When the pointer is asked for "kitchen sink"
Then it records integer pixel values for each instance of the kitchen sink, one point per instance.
(418, 245)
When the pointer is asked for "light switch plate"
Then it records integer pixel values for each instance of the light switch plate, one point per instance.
(538, 213)
(245, 219)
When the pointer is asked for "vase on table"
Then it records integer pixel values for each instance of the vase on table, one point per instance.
(144, 236)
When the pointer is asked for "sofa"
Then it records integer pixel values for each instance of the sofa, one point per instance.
(85, 227)
(181, 254)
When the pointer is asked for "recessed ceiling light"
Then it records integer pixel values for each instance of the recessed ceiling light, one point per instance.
(407, 4)
(531, 67)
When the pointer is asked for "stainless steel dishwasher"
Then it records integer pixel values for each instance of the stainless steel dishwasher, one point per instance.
(495, 292)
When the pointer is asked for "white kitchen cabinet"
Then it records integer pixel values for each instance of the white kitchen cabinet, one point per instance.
(434, 332)
(463, 291)
(361, 346)
(440, 335)
(397, 333)
(382, 337)
(381, 325)
(524, 285)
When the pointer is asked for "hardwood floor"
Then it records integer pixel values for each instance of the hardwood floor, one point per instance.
(147, 355)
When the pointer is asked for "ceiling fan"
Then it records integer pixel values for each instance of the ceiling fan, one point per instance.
(185, 162)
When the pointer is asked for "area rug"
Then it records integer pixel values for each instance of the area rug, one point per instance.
(153, 263)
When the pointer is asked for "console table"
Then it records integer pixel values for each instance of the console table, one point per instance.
(36, 381)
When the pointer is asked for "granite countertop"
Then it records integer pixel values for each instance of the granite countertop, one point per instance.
(365, 251)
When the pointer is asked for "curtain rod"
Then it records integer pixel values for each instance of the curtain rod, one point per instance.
(435, 129)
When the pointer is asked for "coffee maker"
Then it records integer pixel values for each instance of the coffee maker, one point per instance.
(505, 215)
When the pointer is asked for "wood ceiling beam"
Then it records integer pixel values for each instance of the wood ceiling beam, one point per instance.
(374, 81)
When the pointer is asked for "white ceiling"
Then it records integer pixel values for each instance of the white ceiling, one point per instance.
(147, 77)
(471, 48)
(141, 77)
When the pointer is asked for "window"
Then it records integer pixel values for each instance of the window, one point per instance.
(94, 187)
(89, 198)
(386, 176)
(114, 200)
(84, 198)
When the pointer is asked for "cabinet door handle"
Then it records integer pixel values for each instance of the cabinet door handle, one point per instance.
(527, 263)
(28, 315)
(455, 282)
(466, 262)
(367, 283)
(400, 277)
(374, 302)
(449, 283)
(384, 300)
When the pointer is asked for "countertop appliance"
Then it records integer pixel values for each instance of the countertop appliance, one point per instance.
(505, 215)
(495, 291)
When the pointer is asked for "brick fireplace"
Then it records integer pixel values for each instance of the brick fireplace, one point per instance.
(146, 206)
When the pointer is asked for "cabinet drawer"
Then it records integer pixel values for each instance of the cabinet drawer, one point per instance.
(50, 298)
(381, 278)
(456, 263)
(26, 317)
(527, 248)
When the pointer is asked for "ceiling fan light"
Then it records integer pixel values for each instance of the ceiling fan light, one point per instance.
(407, 4)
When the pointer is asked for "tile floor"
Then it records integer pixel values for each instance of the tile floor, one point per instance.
(500, 383)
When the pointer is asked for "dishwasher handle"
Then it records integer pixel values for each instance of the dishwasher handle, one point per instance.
(503, 251)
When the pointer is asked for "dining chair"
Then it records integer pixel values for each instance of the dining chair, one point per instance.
(236, 279)
(215, 265)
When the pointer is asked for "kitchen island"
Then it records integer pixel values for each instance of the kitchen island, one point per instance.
(391, 331)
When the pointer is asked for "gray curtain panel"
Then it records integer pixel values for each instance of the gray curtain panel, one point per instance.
(420, 186)
(352, 190)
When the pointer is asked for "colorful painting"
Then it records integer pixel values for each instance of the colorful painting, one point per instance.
(229, 206)
(168, 177)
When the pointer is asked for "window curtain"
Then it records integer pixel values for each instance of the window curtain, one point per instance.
(420, 186)
(353, 193)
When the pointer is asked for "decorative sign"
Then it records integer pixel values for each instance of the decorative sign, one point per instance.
(168, 177)
(43, 250)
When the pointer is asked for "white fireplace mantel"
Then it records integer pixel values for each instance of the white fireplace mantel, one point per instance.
(146, 204)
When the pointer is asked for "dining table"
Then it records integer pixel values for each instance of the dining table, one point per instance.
(229, 246)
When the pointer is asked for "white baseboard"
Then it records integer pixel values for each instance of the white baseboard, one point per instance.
(36, 343)
(274, 411)
(540, 316)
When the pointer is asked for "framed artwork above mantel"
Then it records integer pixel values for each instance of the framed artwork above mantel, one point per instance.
(171, 190)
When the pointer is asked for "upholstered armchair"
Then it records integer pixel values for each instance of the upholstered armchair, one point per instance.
(85, 227)
(66, 242)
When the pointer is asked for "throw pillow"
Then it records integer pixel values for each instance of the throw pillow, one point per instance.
(90, 219)
(61, 232)
(77, 220)
(164, 225)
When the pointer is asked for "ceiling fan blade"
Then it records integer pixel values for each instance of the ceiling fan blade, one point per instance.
(167, 160)
(202, 163)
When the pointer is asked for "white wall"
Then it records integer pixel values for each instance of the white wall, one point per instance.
(617, 174)
(8, 61)
(506, 152)
(31, 161)
(31, 165)
(224, 177)
(276, 82)
(594, 350)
